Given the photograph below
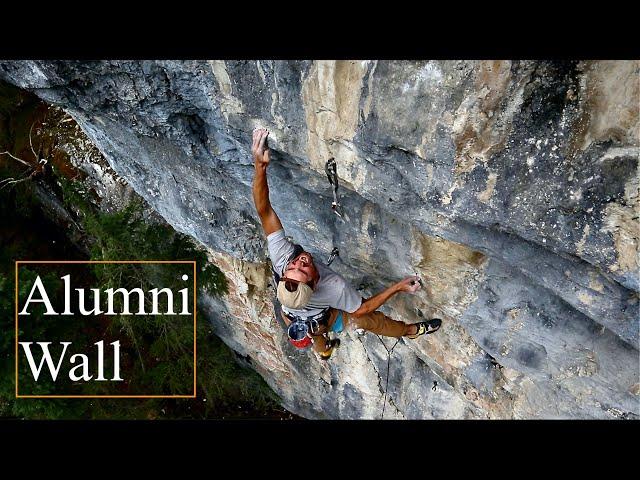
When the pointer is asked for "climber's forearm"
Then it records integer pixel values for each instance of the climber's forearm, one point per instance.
(261, 191)
(375, 302)
(268, 217)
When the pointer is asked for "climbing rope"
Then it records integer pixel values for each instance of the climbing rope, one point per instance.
(330, 169)
(386, 387)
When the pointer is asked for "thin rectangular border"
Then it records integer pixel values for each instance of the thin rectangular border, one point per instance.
(111, 261)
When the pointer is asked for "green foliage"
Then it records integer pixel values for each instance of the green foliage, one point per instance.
(159, 348)
(126, 235)
(36, 408)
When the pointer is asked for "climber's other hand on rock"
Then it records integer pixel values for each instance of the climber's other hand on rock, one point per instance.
(409, 284)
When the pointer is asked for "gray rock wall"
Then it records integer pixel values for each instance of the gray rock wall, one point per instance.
(510, 187)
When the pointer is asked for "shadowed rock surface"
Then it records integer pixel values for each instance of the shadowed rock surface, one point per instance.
(511, 188)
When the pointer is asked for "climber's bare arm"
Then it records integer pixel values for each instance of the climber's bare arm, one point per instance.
(261, 157)
(409, 285)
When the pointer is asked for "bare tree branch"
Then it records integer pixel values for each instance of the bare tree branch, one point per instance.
(32, 172)
(11, 181)
(15, 158)
(30, 143)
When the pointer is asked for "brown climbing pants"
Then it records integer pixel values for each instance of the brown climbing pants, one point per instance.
(375, 322)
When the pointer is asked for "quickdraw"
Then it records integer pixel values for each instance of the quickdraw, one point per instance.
(330, 169)
(334, 253)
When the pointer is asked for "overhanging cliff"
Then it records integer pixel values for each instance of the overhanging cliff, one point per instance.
(510, 187)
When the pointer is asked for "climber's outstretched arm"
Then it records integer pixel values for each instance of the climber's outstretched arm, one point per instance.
(409, 285)
(261, 157)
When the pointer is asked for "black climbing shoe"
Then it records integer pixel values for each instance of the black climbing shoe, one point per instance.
(429, 326)
(327, 353)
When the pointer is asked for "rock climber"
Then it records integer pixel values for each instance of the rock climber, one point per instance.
(316, 300)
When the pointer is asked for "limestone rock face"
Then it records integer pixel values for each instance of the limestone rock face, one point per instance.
(511, 188)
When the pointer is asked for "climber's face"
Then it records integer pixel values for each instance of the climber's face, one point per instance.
(302, 269)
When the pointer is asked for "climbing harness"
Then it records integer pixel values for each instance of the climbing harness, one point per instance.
(301, 328)
(332, 174)
(389, 352)
(298, 330)
(334, 253)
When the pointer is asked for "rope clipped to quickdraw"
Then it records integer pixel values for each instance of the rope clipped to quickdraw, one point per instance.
(330, 169)
(389, 352)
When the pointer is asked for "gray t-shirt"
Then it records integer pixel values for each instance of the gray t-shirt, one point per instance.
(331, 291)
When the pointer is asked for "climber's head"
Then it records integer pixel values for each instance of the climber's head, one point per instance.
(302, 269)
(298, 280)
